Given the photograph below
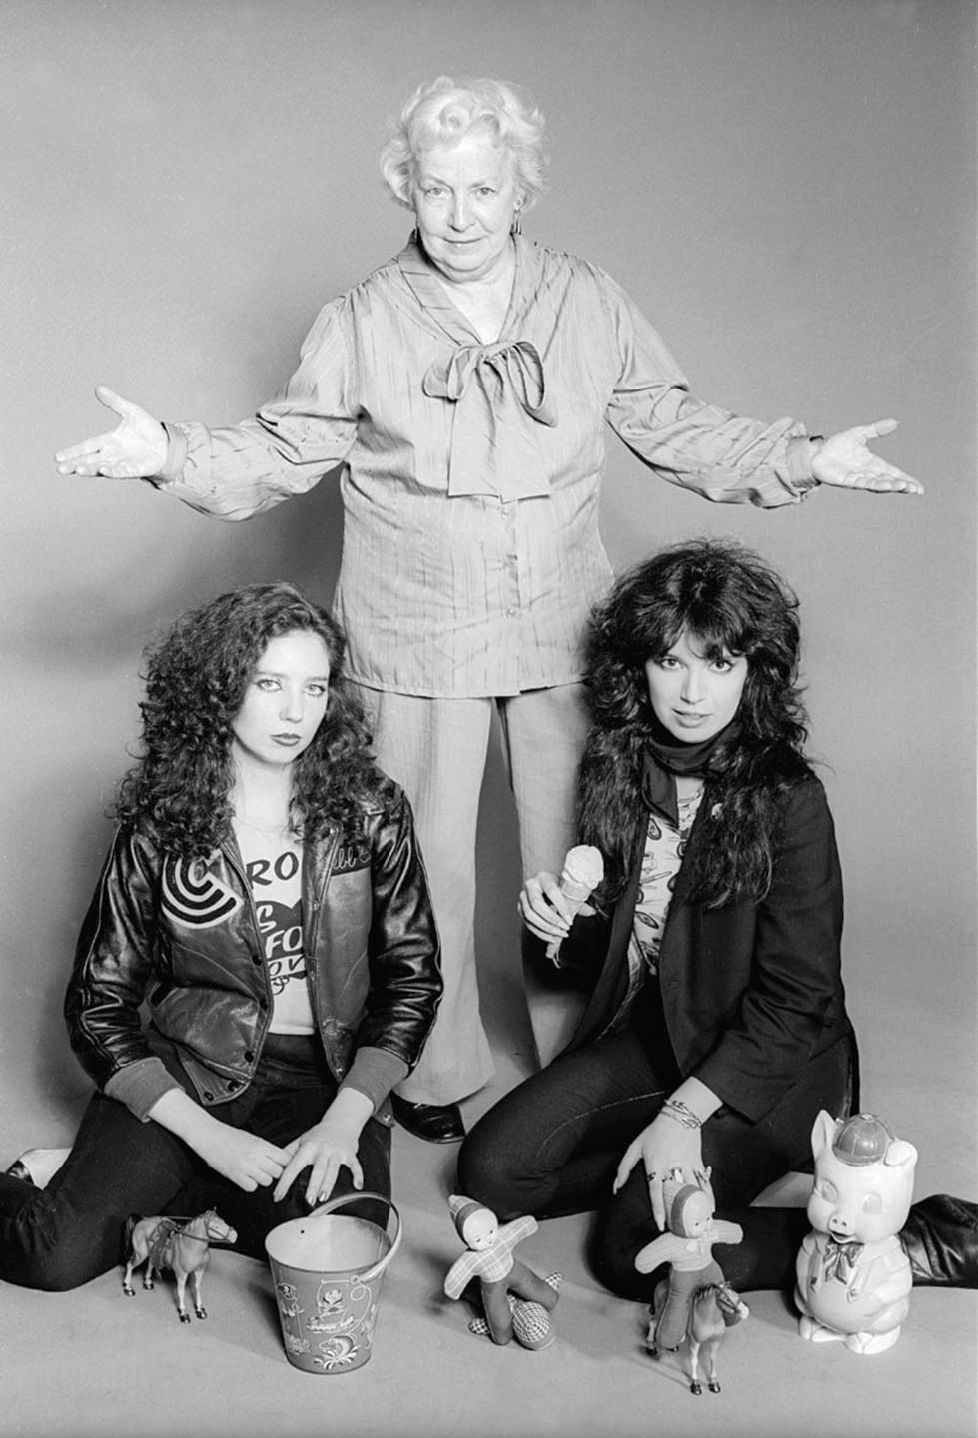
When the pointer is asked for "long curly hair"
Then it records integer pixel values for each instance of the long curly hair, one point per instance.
(728, 602)
(196, 679)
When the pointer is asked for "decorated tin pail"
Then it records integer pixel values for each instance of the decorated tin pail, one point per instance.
(328, 1271)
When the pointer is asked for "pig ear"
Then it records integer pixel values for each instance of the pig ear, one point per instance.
(899, 1153)
(823, 1132)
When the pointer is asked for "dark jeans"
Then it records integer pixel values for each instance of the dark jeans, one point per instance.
(71, 1231)
(553, 1144)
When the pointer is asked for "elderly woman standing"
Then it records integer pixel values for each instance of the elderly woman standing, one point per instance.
(465, 387)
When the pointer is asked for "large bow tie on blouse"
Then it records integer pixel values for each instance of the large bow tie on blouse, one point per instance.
(499, 396)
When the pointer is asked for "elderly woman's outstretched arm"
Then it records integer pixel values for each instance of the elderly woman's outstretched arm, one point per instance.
(726, 457)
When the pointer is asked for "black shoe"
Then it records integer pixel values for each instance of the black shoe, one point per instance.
(436, 1123)
(940, 1238)
(19, 1170)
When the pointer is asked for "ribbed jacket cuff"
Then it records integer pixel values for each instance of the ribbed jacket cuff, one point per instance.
(374, 1072)
(140, 1085)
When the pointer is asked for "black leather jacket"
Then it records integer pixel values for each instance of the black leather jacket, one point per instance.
(184, 939)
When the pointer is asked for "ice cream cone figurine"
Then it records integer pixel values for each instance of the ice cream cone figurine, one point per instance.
(516, 1302)
(582, 873)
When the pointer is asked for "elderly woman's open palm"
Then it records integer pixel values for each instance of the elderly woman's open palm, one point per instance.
(134, 449)
(846, 461)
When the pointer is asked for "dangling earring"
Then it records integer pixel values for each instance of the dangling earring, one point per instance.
(414, 238)
(516, 228)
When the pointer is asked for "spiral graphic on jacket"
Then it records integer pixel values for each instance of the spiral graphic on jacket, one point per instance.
(192, 895)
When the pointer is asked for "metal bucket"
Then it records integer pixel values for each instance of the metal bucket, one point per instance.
(328, 1272)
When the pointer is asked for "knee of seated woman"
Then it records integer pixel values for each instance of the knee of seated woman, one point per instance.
(54, 1271)
(483, 1178)
(612, 1261)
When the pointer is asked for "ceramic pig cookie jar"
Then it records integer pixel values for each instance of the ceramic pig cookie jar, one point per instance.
(853, 1276)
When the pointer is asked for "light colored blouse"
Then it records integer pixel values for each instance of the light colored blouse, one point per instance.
(662, 859)
(471, 472)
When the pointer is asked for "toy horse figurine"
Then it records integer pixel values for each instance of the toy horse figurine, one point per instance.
(178, 1244)
(713, 1308)
(695, 1302)
(687, 1247)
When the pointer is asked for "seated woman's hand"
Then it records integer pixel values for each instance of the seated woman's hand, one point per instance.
(247, 1160)
(545, 911)
(666, 1149)
(331, 1145)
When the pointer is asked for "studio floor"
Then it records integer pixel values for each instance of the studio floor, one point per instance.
(94, 1362)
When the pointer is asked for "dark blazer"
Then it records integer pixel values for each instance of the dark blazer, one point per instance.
(752, 992)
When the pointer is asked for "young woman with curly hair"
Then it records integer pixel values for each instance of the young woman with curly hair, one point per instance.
(259, 965)
(715, 1026)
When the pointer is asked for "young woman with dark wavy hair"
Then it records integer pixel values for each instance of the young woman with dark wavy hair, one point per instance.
(715, 1025)
(197, 680)
(259, 965)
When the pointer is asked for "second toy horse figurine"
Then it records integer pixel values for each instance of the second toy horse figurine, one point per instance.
(695, 1302)
(181, 1245)
(687, 1247)
(713, 1308)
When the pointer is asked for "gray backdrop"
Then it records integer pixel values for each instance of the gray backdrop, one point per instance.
(785, 186)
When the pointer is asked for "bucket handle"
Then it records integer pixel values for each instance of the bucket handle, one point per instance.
(346, 1198)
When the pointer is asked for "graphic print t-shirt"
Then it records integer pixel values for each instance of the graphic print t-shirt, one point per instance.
(274, 869)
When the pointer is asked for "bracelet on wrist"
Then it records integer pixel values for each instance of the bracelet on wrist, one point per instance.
(677, 1110)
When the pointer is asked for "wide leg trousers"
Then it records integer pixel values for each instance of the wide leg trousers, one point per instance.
(436, 750)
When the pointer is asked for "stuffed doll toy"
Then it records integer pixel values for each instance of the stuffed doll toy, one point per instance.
(687, 1247)
(515, 1301)
(853, 1276)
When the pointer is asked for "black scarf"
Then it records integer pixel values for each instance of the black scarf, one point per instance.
(665, 757)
